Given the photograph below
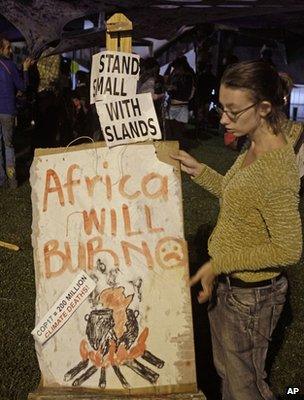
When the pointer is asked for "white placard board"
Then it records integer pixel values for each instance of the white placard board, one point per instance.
(128, 120)
(116, 214)
(113, 75)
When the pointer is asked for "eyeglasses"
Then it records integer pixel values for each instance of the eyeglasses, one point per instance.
(233, 116)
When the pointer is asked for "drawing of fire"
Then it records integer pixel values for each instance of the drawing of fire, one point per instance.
(113, 341)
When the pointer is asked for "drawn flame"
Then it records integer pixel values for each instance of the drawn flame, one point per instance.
(116, 355)
(115, 299)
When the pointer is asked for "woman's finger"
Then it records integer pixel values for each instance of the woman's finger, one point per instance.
(186, 169)
(181, 154)
(184, 153)
(203, 296)
(178, 156)
(195, 278)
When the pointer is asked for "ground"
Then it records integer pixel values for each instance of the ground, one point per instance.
(19, 371)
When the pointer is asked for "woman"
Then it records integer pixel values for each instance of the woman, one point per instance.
(258, 231)
(10, 84)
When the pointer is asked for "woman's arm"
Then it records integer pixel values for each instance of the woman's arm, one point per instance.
(210, 180)
(201, 174)
(282, 219)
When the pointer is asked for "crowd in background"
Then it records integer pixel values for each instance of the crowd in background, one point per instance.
(178, 94)
(61, 113)
(57, 112)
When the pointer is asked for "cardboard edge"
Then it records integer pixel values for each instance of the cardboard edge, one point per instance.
(140, 392)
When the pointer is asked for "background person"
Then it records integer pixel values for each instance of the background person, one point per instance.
(206, 93)
(85, 120)
(180, 87)
(48, 105)
(150, 81)
(258, 231)
(10, 83)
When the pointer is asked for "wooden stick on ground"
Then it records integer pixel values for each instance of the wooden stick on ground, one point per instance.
(9, 246)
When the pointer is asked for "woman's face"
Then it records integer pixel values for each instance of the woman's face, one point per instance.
(240, 114)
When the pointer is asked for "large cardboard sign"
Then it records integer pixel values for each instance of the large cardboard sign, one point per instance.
(114, 74)
(117, 215)
(128, 120)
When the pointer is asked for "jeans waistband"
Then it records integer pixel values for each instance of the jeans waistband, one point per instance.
(239, 283)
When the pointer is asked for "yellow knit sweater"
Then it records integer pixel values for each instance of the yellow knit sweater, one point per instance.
(259, 227)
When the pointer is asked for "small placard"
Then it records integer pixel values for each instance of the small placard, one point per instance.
(114, 74)
(128, 120)
(64, 307)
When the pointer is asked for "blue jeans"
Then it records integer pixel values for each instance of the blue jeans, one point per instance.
(7, 123)
(242, 322)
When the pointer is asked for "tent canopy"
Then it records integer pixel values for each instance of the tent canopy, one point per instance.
(44, 22)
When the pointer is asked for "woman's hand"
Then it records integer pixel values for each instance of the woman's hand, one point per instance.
(206, 276)
(188, 163)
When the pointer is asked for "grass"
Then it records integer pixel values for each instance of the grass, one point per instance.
(19, 371)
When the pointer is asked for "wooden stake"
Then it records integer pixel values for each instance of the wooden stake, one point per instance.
(9, 246)
(118, 34)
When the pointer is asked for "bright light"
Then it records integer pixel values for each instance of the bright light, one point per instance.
(88, 24)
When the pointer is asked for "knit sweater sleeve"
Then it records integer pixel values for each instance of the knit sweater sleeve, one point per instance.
(210, 180)
(282, 219)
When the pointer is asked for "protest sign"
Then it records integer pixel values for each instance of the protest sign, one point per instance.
(114, 74)
(117, 215)
(128, 120)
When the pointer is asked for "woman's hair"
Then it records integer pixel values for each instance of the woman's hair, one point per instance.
(264, 84)
(181, 65)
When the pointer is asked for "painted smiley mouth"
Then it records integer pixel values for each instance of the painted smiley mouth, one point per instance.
(171, 256)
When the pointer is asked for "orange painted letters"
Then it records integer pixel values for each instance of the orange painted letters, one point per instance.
(48, 189)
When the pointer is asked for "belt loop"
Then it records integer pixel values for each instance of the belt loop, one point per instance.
(273, 282)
